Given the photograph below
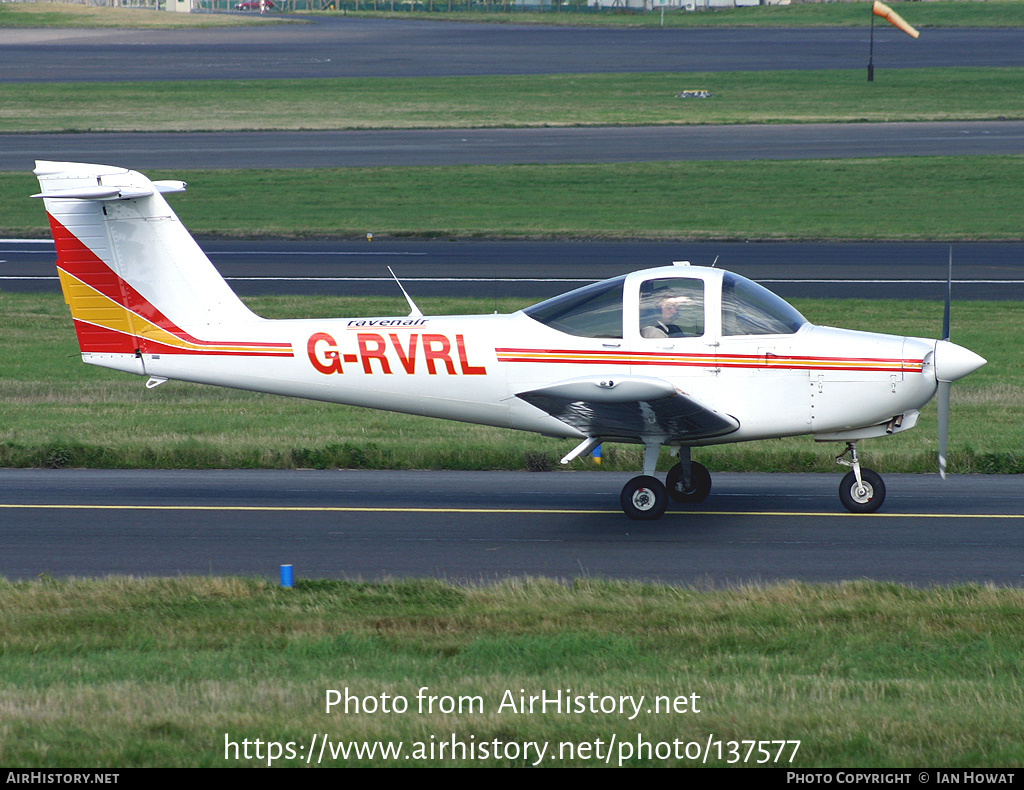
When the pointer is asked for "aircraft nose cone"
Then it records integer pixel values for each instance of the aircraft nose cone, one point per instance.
(953, 362)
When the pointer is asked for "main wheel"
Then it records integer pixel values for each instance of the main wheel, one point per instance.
(862, 499)
(697, 491)
(644, 498)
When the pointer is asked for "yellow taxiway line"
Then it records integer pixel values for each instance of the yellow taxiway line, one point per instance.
(488, 510)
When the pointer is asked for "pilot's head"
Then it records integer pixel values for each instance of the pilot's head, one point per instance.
(672, 304)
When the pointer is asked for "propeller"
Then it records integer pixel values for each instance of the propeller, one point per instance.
(945, 386)
(951, 362)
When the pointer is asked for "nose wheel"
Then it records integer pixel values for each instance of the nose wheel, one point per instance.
(862, 490)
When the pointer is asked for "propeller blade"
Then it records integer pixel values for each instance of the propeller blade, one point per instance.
(943, 402)
(949, 296)
(944, 386)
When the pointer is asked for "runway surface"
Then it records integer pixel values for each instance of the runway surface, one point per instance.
(538, 269)
(445, 147)
(345, 47)
(476, 526)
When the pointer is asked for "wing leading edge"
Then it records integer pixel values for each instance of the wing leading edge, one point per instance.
(630, 407)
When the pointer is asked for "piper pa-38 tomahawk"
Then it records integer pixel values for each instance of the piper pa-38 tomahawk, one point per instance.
(683, 356)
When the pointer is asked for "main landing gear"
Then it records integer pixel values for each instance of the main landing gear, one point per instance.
(646, 498)
(862, 490)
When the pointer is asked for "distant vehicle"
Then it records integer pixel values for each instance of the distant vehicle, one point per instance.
(255, 5)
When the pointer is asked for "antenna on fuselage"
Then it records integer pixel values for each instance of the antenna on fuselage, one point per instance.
(415, 312)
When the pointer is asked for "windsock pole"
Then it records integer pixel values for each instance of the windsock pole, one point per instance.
(871, 52)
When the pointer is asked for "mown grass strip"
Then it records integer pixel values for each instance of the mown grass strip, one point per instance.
(839, 96)
(56, 411)
(914, 198)
(71, 15)
(157, 672)
(992, 13)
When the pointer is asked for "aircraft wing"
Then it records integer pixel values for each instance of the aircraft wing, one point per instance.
(630, 407)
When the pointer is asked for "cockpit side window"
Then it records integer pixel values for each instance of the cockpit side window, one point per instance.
(750, 309)
(672, 307)
(592, 311)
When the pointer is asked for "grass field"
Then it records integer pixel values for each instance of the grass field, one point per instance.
(991, 13)
(56, 411)
(862, 674)
(912, 198)
(946, 13)
(71, 15)
(839, 96)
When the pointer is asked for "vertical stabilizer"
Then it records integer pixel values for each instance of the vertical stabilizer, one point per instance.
(136, 281)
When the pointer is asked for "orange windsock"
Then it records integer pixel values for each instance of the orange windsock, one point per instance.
(882, 10)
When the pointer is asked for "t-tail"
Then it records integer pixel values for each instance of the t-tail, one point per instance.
(137, 283)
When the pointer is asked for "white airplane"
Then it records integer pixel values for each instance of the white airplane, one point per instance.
(681, 355)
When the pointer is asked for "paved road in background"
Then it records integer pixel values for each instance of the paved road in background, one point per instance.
(480, 526)
(342, 47)
(534, 270)
(438, 147)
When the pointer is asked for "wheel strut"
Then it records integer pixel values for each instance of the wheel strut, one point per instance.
(854, 462)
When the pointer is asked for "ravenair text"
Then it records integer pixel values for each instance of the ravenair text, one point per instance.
(391, 353)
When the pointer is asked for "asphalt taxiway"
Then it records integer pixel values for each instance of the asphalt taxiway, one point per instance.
(534, 270)
(348, 47)
(447, 147)
(476, 526)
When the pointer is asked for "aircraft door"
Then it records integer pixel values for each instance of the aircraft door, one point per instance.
(672, 332)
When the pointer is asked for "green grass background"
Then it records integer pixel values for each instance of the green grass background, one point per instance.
(839, 96)
(910, 198)
(155, 672)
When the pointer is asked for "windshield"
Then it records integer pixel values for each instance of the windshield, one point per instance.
(749, 309)
(592, 311)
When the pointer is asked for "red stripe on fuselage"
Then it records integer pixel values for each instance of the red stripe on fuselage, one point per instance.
(683, 359)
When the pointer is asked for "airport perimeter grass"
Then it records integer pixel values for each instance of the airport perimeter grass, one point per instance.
(992, 13)
(72, 15)
(839, 96)
(909, 198)
(161, 672)
(56, 411)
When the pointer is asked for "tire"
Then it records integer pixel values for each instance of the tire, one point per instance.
(700, 483)
(866, 501)
(644, 498)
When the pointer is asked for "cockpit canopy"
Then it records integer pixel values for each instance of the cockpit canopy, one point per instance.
(670, 302)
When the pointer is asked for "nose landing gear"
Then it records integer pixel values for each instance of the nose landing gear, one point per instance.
(862, 490)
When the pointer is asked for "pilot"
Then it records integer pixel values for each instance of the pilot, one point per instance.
(674, 314)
